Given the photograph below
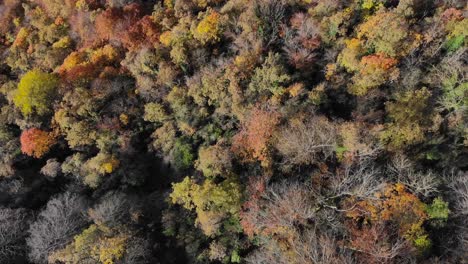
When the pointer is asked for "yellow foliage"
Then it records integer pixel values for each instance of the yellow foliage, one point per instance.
(124, 119)
(166, 38)
(35, 91)
(212, 202)
(209, 29)
(110, 165)
(106, 53)
(295, 89)
(349, 56)
(62, 43)
(111, 249)
(75, 58)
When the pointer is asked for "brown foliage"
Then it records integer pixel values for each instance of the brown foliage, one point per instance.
(113, 22)
(142, 33)
(252, 141)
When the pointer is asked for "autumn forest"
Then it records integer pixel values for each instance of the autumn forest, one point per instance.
(233, 131)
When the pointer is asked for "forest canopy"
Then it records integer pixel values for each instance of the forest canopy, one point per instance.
(233, 131)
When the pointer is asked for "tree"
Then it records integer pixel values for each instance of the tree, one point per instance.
(52, 168)
(400, 207)
(304, 139)
(302, 41)
(374, 70)
(411, 115)
(210, 27)
(212, 202)
(56, 224)
(112, 210)
(13, 231)
(270, 77)
(252, 141)
(9, 145)
(35, 142)
(385, 32)
(96, 244)
(35, 93)
(155, 112)
(214, 161)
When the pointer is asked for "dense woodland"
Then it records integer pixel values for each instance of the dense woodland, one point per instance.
(233, 131)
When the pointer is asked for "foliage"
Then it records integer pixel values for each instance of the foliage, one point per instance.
(313, 131)
(410, 114)
(214, 161)
(270, 77)
(438, 212)
(212, 202)
(384, 32)
(35, 142)
(35, 92)
(400, 207)
(182, 155)
(209, 28)
(252, 141)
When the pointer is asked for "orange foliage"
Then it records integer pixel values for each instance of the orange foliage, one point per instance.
(371, 63)
(35, 142)
(87, 64)
(252, 140)
(394, 205)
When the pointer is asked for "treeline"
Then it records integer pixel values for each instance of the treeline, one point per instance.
(233, 131)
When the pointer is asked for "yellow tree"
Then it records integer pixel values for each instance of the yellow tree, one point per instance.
(35, 92)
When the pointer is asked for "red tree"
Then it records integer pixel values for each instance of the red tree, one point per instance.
(35, 142)
(252, 141)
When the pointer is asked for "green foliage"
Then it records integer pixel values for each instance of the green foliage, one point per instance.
(182, 155)
(455, 94)
(423, 244)
(270, 77)
(438, 212)
(154, 112)
(35, 93)
(385, 32)
(212, 202)
(454, 43)
(410, 115)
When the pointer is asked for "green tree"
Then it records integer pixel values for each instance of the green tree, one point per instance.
(438, 212)
(35, 92)
(411, 116)
(212, 202)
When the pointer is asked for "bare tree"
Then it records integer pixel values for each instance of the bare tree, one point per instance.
(458, 183)
(420, 183)
(138, 251)
(301, 141)
(13, 230)
(361, 180)
(113, 209)
(311, 247)
(63, 217)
